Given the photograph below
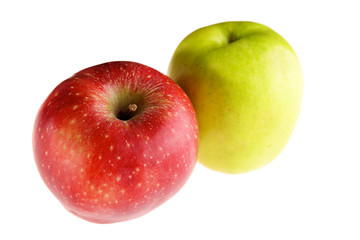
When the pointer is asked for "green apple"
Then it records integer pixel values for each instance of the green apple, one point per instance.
(246, 85)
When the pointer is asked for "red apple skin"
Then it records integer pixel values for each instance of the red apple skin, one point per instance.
(107, 170)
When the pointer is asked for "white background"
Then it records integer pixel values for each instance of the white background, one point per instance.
(311, 191)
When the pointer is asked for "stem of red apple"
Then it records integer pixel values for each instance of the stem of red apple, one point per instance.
(132, 107)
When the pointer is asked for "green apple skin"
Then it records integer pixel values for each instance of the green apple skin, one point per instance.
(246, 85)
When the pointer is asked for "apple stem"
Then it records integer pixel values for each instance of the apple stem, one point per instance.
(132, 107)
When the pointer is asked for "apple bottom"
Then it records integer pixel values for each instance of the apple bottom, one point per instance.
(106, 196)
(110, 212)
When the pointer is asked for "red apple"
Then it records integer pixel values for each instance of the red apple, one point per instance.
(114, 141)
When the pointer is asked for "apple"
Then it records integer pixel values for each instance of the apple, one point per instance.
(114, 141)
(246, 85)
